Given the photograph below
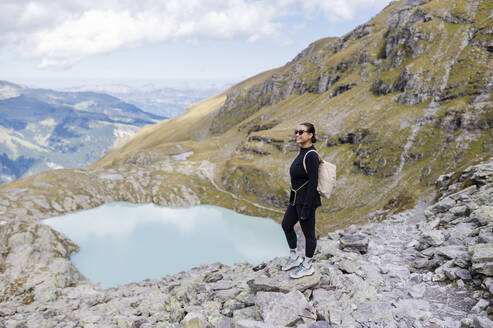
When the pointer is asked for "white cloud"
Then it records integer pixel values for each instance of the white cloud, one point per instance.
(337, 10)
(60, 33)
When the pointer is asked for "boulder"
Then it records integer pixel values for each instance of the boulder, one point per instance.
(482, 259)
(222, 284)
(194, 320)
(355, 242)
(376, 312)
(433, 237)
(483, 215)
(482, 174)
(284, 309)
(281, 282)
(488, 284)
(412, 308)
(480, 306)
(248, 313)
(451, 252)
(442, 206)
(461, 210)
(482, 322)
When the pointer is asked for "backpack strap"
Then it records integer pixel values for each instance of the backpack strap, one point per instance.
(304, 158)
(296, 190)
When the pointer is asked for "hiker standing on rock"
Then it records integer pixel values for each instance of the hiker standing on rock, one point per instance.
(303, 202)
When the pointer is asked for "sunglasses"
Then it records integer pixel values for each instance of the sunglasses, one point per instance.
(300, 132)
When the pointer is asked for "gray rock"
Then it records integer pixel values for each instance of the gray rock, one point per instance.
(263, 284)
(464, 194)
(463, 260)
(482, 174)
(230, 306)
(248, 313)
(446, 218)
(430, 224)
(194, 319)
(213, 277)
(460, 233)
(480, 306)
(281, 282)
(320, 324)
(226, 294)
(443, 205)
(463, 274)
(355, 242)
(333, 236)
(440, 273)
(485, 237)
(482, 322)
(327, 248)
(325, 302)
(459, 210)
(451, 252)
(284, 309)
(417, 291)
(225, 322)
(482, 259)
(488, 284)
(222, 284)
(246, 297)
(484, 268)
(246, 323)
(428, 213)
(483, 215)
(433, 237)
(377, 312)
(416, 309)
(466, 323)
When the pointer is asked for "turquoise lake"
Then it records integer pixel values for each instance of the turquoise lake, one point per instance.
(123, 242)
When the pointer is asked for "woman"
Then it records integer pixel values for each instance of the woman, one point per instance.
(304, 201)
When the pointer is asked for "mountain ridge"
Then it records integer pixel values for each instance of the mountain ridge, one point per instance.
(380, 97)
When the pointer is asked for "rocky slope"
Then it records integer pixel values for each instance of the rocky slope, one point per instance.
(43, 129)
(397, 102)
(424, 267)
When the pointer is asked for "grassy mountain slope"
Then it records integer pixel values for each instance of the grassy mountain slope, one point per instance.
(396, 102)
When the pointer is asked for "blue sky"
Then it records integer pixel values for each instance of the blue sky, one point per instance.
(164, 40)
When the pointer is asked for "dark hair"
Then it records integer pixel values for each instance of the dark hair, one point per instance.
(310, 129)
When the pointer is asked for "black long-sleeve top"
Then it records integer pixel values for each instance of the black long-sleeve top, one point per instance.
(308, 194)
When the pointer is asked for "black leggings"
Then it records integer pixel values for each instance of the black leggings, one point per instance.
(308, 226)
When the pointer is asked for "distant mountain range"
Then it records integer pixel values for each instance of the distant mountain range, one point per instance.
(158, 99)
(44, 129)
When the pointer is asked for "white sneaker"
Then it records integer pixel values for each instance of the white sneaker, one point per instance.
(301, 271)
(292, 263)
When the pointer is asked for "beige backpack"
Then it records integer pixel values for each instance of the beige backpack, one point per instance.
(326, 175)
